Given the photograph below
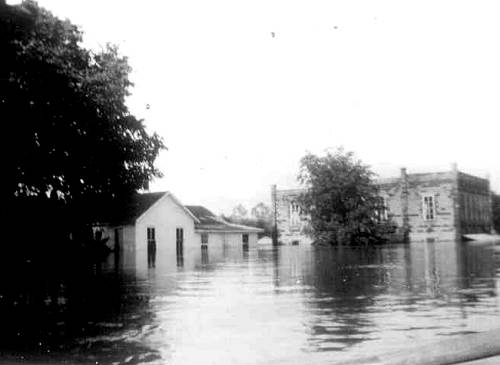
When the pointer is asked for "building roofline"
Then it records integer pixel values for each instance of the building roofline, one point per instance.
(176, 201)
(228, 229)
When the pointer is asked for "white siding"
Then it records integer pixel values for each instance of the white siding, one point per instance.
(165, 216)
(229, 239)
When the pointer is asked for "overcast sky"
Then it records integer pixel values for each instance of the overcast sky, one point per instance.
(240, 90)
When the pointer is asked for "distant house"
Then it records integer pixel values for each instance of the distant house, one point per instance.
(156, 229)
(428, 207)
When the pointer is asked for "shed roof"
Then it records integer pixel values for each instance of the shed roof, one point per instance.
(204, 215)
(209, 222)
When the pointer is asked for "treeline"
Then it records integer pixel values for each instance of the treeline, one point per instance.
(260, 217)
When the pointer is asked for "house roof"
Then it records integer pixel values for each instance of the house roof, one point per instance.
(134, 207)
(128, 212)
(209, 222)
(204, 215)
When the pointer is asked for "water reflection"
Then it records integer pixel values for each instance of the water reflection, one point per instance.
(237, 304)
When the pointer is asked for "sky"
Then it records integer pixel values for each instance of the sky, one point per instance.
(241, 90)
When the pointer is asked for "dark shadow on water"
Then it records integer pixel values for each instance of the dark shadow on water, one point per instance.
(71, 311)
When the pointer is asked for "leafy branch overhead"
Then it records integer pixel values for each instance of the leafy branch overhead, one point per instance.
(64, 109)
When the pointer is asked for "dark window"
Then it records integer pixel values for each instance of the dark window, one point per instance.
(151, 246)
(245, 238)
(381, 212)
(179, 234)
(204, 238)
(151, 234)
(429, 207)
(179, 241)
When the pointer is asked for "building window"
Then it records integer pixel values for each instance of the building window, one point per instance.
(295, 212)
(381, 212)
(204, 238)
(467, 207)
(179, 241)
(151, 234)
(151, 248)
(429, 207)
(462, 206)
(245, 238)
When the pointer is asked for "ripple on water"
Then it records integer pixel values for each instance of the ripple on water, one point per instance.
(293, 304)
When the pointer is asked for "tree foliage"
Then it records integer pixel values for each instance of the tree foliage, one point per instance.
(239, 212)
(261, 212)
(341, 199)
(261, 217)
(63, 110)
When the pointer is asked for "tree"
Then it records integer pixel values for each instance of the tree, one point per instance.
(341, 199)
(239, 212)
(73, 146)
(71, 135)
(260, 217)
(261, 212)
(495, 209)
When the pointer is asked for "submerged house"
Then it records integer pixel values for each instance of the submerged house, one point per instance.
(425, 207)
(156, 229)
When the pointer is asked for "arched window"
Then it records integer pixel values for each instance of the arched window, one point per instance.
(295, 212)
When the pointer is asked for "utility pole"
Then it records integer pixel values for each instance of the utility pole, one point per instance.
(275, 214)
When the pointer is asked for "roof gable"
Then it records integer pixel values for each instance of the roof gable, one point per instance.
(176, 201)
(129, 211)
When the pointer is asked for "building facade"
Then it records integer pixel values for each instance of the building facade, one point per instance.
(425, 207)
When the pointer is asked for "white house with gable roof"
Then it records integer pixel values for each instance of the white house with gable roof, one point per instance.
(157, 230)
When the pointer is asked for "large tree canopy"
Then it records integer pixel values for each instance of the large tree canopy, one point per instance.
(341, 199)
(64, 114)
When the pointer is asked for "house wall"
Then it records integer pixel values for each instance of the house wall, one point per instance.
(393, 200)
(441, 188)
(404, 198)
(220, 239)
(165, 216)
(474, 204)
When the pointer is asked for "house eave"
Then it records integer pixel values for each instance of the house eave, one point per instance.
(227, 230)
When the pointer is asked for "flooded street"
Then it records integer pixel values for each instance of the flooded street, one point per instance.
(275, 305)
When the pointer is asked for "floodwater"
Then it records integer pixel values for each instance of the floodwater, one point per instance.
(269, 305)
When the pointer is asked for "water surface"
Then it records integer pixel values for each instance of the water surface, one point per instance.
(272, 305)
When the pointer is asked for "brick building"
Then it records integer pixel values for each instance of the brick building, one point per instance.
(439, 206)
